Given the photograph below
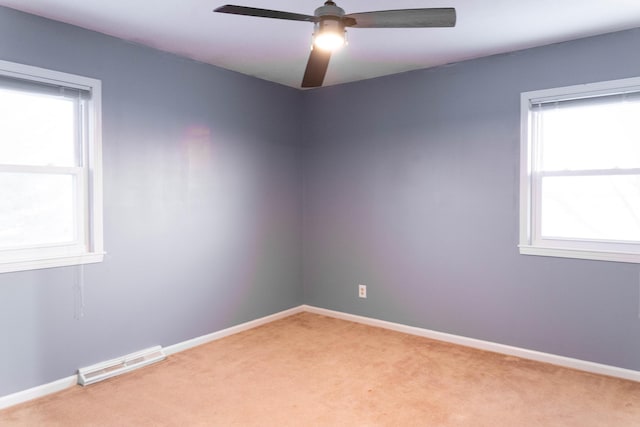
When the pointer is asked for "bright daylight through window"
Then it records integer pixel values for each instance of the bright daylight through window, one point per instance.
(50, 169)
(580, 172)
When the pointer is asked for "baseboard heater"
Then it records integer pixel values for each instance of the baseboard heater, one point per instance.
(111, 368)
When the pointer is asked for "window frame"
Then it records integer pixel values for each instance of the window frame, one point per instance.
(88, 247)
(530, 241)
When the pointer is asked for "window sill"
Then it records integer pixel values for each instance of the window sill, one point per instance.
(630, 257)
(65, 261)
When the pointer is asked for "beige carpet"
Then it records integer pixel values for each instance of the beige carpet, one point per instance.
(311, 370)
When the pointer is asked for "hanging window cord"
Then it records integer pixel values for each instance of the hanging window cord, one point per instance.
(78, 291)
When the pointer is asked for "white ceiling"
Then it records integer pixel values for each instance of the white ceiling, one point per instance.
(277, 50)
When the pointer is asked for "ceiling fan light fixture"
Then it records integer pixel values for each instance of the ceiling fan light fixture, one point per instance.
(329, 35)
(329, 41)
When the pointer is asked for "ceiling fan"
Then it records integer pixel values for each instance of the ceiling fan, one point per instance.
(330, 22)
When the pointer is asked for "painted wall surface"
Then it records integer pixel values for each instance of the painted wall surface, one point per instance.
(202, 208)
(407, 183)
(412, 186)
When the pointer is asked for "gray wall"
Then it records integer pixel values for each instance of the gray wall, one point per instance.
(411, 187)
(202, 207)
(408, 184)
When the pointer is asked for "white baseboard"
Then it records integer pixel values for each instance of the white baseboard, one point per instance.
(59, 385)
(39, 391)
(567, 362)
(582, 365)
(172, 349)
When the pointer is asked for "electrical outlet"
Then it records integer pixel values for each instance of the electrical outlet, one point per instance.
(362, 291)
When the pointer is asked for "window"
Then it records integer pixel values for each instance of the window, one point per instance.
(580, 172)
(50, 169)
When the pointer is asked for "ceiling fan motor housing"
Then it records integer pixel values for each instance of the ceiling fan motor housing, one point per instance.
(329, 19)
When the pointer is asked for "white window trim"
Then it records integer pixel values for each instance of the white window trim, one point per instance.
(94, 253)
(528, 244)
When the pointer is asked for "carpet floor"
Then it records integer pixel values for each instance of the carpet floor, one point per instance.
(312, 370)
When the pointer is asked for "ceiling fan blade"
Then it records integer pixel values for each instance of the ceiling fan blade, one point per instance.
(316, 68)
(263, 13)
(403, 18)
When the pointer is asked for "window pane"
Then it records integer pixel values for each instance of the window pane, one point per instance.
(36, 209)
(598, 136)
(591, 207)
(37, 129)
